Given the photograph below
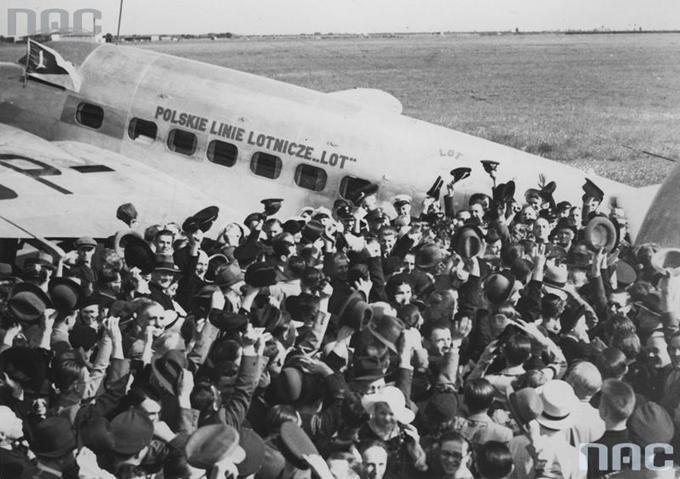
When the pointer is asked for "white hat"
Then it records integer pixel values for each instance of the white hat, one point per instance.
(400, 199)
(394, 398)
(559, 402)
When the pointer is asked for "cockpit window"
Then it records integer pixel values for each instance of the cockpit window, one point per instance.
(90, 115)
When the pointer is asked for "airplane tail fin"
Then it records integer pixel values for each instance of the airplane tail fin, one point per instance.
(48, 65)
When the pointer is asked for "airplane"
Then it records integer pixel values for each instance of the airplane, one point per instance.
(173, 135)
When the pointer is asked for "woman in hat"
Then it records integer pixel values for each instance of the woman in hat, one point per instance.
(390, 422)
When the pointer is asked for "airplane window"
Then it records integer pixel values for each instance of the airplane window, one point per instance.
(310, 177)
(264, 164)
(350, 184)
(182, 142)
(142, 129)
(90, 115)
(222, 153)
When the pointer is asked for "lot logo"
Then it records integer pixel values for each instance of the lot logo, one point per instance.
(626, 456)
(53, 20)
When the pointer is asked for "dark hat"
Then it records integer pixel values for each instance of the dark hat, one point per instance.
(85, 242)
(460, 173)
(489, 165)
(226, 321)
(563, 224)
(312, 231)
(126, 213)
(165, 262)
(532, 193)
(361, 193)
(548, 214)
(66, 294)
(651, 423)
(260, 275)
(429, 256)
(205, 292)
(254, 217)
(83, 336)
(625, 275)
(547, 192)
(132, 431)
(167, 370)
(499, 286)
(355, 312)
(601, 232)
(504, 192)
(211, 444)
(39, 257)
(271, 206)
(590, 189)
(202, 220)
(563, 205)
(228, 275)
(295, 444)
(214, 263)
(6, 273)
(570, 317)
(342, 208)
(579, 257)
(368, 368)
(23, 364)
(95, 434)
(248, 252)
(289, 384)
(138, 254)
(273, 464)
(293, 226)
(52, 437)
(253, 445)
(442, 407)
(386, 329)
(525, 405)
(468, 241)
(28, 302)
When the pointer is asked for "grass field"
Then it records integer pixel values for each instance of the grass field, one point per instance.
(594, 101)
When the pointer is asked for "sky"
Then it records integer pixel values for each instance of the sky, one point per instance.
(358, 16)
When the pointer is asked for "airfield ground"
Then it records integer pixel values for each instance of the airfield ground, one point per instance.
(594, 101)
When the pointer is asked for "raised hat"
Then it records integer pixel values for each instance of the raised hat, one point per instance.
(386, 329)
(289, 384)
(202, 220)
(559, 402)
(211, 444)
(66, 294)
(254, 217)
(253, 446)
(260, 275)
(138, 254)
(214, 263)
(651, 423)
(83, 336)
(28, 302)
(525, 405)
(361, 193)
(499, 286)
(271, 205)
(227, 321)
(489, 166)
(590, 189)
(504, 192)
(52, 437)
(294, 226)
(228, 275)
(167, 370)
(460, 173)
(342, 208)
(85, 242)
(294, 443)
(355, 312)
(126, 213)
(468, 241)
(601, 232)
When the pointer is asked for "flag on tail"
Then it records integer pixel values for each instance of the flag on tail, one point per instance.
(45, 64)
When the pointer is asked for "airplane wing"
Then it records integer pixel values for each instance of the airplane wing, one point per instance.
(370, 98)
(67, 189)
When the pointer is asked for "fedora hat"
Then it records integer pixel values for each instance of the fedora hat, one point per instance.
(66, 294)
(138, 254)
(355, 312)
(164, 262)
(260, 275)
(312, 231)
(368, 368)
(555, 279)
(601, 232)
(468, 241)
(167, 370)
(460, 173)
(394, 398)
(28, 302)
(211, 444)
(504, 192)
(271, 205)
(525, 405)
(498, 287)
(559, 402)
(386, 329)
(228, 275)
(428, 256)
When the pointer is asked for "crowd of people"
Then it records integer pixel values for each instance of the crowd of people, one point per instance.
(510, 339)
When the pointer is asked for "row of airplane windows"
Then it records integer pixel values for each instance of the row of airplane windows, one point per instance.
(222, 153)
